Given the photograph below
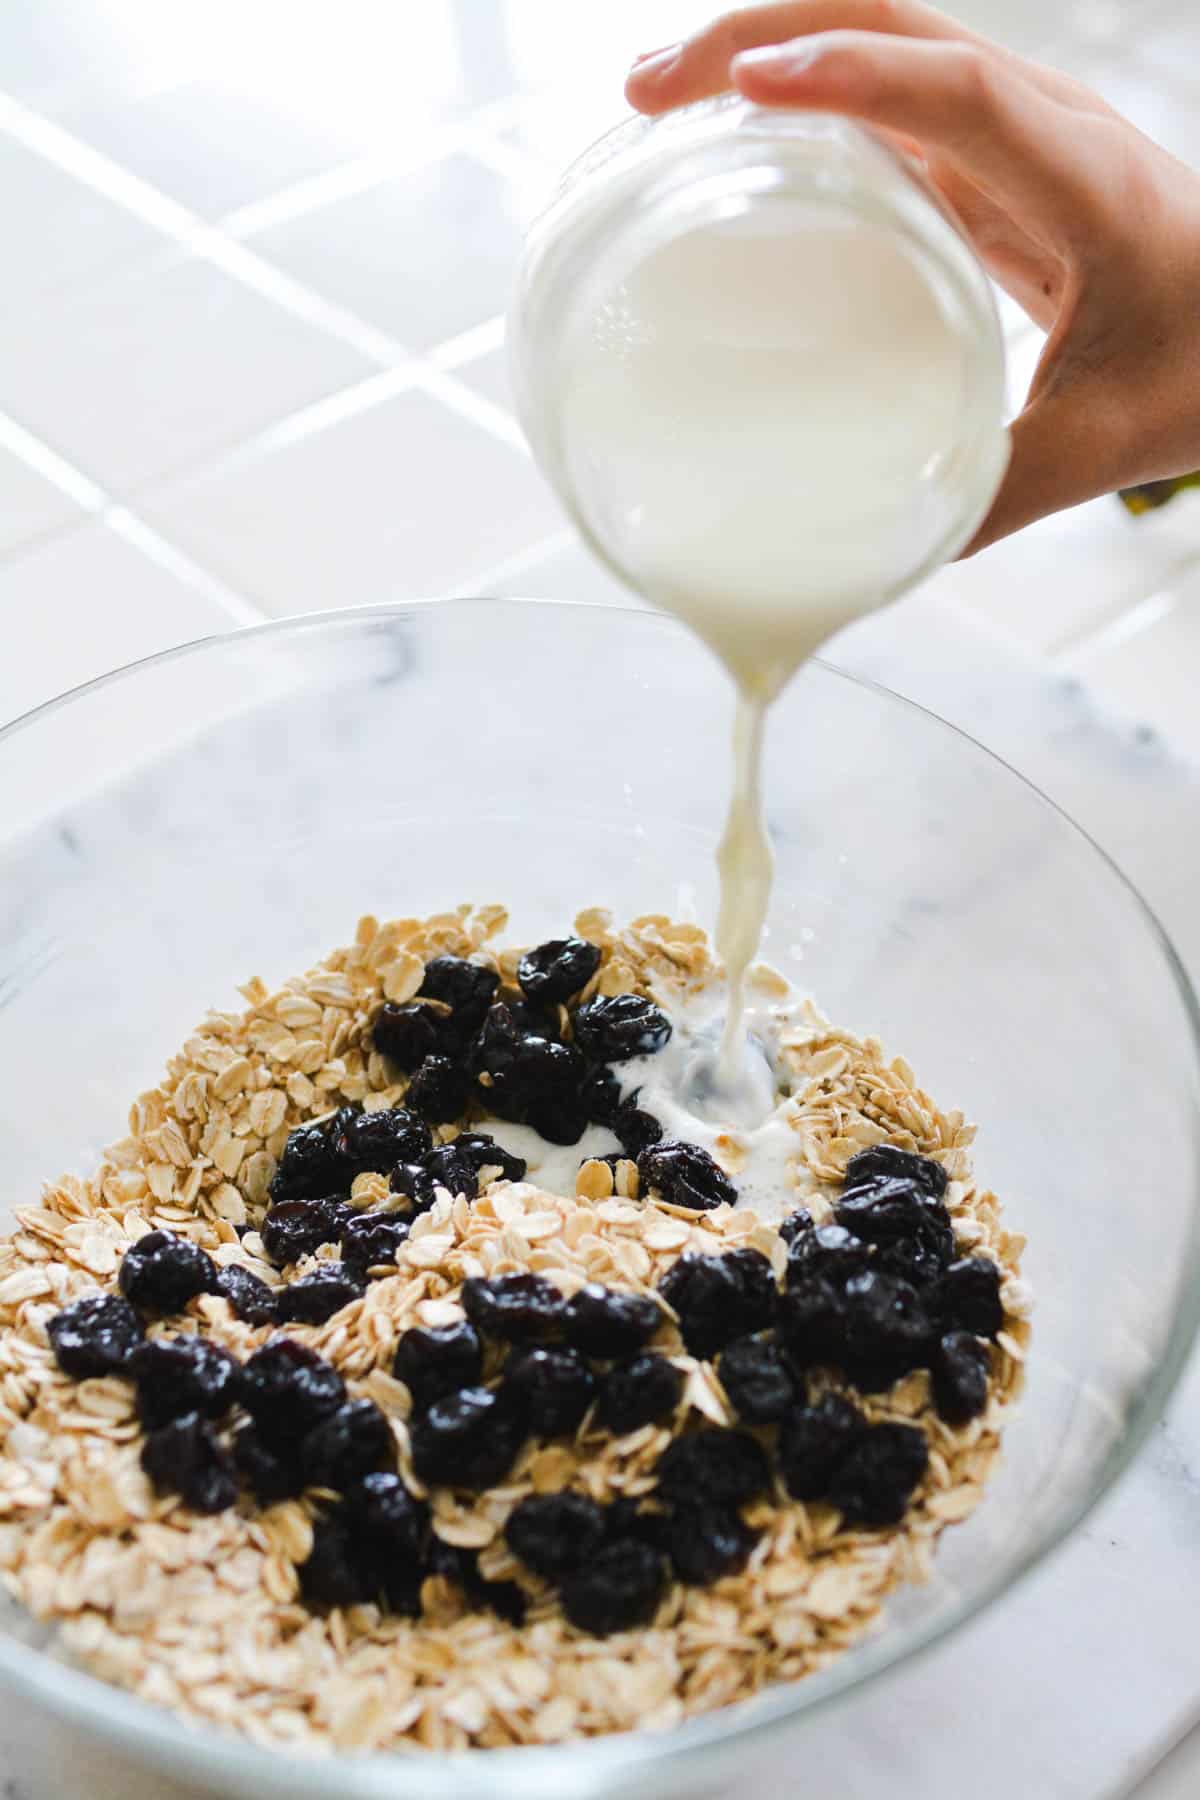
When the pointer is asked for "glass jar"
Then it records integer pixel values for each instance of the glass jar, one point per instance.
(751, 346)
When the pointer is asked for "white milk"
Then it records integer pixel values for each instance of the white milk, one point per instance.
(754, 427)
(762, 1149)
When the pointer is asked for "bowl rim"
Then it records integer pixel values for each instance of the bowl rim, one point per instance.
(151, 1732)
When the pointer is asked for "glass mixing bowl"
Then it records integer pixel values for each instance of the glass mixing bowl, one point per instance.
(231, 808)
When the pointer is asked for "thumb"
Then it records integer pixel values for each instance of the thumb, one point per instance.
(1062, 450)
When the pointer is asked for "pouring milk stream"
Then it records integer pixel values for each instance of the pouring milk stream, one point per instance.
(764, 372)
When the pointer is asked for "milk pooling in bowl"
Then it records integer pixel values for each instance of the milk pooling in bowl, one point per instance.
(764, 371)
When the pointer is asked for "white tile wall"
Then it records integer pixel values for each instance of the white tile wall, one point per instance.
(57, 235)
(149, 373)
(209, 143)
(402, 499)
(84, 603)
(422, 256)
(255, 261)
(30, 505)
(1148, 661)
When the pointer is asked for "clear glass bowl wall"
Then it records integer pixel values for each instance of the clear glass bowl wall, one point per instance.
(232, 808)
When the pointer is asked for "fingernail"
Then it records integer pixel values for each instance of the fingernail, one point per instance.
(778, 62)
(655, 64)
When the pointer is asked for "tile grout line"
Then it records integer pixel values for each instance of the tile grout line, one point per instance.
(52, 467)
(1078, 650)
(1124, 621)
(122, 521)
(209, 243)
(356, 175)
(475, 341)
(516, 564)
(157, 549)
(359, 173)
(463, 400)
(205, 241)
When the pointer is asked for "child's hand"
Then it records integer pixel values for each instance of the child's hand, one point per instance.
(1090, 226)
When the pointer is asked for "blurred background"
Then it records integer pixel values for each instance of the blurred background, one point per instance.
(256, 255)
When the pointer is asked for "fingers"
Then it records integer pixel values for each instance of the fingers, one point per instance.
(1053, 465)
(700, 66)
(1033, 156)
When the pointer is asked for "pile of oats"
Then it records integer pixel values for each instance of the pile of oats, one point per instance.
(204, 1614)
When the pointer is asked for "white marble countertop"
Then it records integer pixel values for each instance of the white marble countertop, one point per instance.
(1067, 1687)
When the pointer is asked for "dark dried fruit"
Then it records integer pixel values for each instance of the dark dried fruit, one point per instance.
(874, 1481)
(685, 1175)
(371, 1547)
(719, 1298)
(920, 1260)
(185, 1458)
(827, 1250)
(371, 1241)
(406, 1035)
(639, 1392)
(376, 1141)
(620, 1588)
(712, 1464)
(758, 1379)
(884, 1161)
(439, 1091)
(888, 1330)
(960, 1377)
(272, 1471)
(795, 1223)
(251, 1299)
(967, 1297)
(556, 971)
(514, 1307)
(395, 1520)
(626, 1518)
(892, 1209)
(414, 1181)
(451, 1170)
(436, 1360)
(162, 1272)
(347, 1444)
(636, 1130)
(309, 1166)
(465, 987)
(319, 1294)
(616, 1027)
(461, 1566)
(811, 1321)
(560, 1119)
(545, 1071)
(483, 1152)
(94, 1336)
(182, 1375)
(603, 1322)
(494, 1051)
(530, 1020)
(466, 1440)
(287, 1389)
(554, 1533)
(550, 1389)
(706, 1542)
(296, 1228)
(336, 1574)
(812, 1442)
(601, 1095)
